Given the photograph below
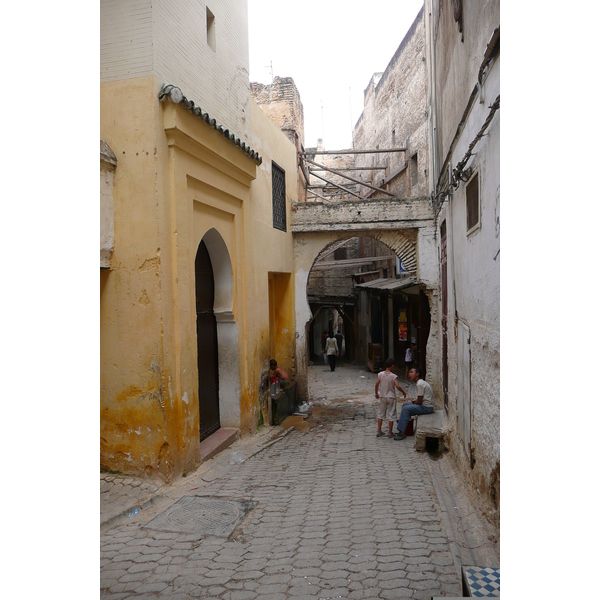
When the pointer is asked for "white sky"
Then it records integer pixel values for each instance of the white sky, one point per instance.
(330, 48)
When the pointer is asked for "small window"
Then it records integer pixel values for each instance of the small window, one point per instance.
(279, 214)
(414, 171)
(211, 37)
(473, 203)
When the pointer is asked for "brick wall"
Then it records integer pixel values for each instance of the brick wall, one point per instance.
(125, 39)
(168, 38)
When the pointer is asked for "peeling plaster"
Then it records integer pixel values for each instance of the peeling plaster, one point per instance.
(185, 398)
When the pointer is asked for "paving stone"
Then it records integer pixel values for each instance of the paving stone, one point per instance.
(142, 567)
(338, 574)
(399, 575)
(317, 525)
(239, 595)
(419, 567)
(426, 585)
(396, 593)
(390, 567)
(279, 578)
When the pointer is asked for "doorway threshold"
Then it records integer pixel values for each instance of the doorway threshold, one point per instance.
(217, 442)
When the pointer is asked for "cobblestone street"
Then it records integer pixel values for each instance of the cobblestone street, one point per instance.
(338, 513)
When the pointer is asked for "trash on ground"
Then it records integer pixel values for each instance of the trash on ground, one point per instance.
(133, 513)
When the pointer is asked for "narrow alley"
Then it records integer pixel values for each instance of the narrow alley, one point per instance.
(319, 509)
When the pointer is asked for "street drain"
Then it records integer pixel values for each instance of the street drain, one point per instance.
(202, 516)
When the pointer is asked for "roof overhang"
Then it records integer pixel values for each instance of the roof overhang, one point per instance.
(388, 284)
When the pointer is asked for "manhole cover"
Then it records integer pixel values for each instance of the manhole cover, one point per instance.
(202, 516)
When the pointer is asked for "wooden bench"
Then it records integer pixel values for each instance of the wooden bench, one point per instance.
(432, 426)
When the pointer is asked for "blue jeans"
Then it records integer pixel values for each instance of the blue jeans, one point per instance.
(408, 410)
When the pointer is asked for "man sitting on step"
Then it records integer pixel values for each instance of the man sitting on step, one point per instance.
(423, 405)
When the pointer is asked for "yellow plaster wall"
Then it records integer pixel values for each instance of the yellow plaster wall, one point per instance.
(271, 252)
(134, 411)
(176, 179)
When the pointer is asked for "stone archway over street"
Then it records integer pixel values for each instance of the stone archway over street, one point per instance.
(405, 226)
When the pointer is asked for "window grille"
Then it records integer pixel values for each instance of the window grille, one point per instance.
(279, 218)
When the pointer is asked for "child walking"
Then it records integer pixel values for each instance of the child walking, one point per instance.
(388, 381)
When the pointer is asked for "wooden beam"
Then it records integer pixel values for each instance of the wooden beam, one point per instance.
(375, 151)
(336, 172)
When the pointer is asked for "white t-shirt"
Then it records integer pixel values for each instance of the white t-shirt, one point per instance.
(387, 389)
(424, 389)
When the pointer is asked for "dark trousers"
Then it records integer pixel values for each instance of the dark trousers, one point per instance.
(331, 358)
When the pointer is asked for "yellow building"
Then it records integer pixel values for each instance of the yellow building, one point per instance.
(196, 276)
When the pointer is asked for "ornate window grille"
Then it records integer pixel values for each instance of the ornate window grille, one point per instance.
(279, 220)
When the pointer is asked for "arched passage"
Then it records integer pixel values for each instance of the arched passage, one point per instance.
(226, 343)
(376, 308)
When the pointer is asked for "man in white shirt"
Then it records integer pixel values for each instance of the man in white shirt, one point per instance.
(423, 405)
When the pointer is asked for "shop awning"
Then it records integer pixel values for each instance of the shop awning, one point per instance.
(388, 284)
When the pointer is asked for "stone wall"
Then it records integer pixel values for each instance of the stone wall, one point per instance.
(465, 80)
(395, 115)
(281, 102)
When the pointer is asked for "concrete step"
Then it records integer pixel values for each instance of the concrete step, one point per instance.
(217, 442)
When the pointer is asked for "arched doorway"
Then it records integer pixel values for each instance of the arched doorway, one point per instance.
(208, 347)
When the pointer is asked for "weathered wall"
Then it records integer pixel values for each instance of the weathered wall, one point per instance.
(459, 108)
(458, 57)
(270, 251)
(135, 416)
(280, 101)
(179, 181)
(108, 163)
(395, 115)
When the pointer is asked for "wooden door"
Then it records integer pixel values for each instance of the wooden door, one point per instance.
(208, 351)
